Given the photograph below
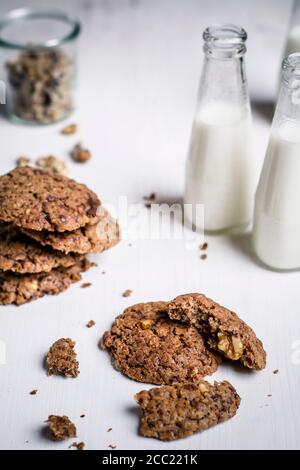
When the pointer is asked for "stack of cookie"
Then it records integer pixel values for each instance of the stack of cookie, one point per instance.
(48, 223)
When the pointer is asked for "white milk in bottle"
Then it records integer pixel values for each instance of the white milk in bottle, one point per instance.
(276, 230)
(218, 169)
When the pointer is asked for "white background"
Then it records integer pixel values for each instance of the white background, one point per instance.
(140, 63)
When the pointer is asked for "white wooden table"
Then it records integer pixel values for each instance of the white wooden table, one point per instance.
(139, 69)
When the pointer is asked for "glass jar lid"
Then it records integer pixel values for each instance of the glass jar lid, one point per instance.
(37, 27)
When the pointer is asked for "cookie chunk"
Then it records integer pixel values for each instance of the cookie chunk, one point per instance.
(62, 358)
(21, 255)
(149, 347)
(94, 238)
(21, 288)
(173, 412)
(61, 428)
(38, 200)
(224, 331)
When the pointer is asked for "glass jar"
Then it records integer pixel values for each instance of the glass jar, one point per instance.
(276, 228)
(38, 54)
(219, 165)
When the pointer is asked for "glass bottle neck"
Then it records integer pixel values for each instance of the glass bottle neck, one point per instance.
(223, 75)
(288, 105)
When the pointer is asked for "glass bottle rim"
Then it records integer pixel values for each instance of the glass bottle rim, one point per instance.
(51, 14)
(225, 35)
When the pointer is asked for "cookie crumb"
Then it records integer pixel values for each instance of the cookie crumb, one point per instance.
(52, 164)
(90, 323)
(103, 272)
(78, 445)
(23, 161)
(203, 257)
(148, 205)
(70, 129)
(112, 446)
(33, 392)
(80, 155)
(61, 427)
(85, 285)
(151, 197)
(82, 416)
(61, 358)
(127, 293)
(203, 246)
(270, 394)
(109, 430)
(275, 371)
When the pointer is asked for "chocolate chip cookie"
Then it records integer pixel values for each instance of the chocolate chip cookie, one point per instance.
(21, 255)
(95, 238)
(21, 288)
(38, 200)
(224, 331)
(149, 347)
(174, 412)
(61, 427)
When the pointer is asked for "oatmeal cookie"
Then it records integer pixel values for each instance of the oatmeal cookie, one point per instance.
(149, 347)
(177, 411)
(21, 288)
(95, 238)
(224, 331)
(22, 255)
(38, 200)
(61, 427)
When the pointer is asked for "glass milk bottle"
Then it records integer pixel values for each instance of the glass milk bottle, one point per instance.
(293, 37)
(218, 169)
(276, 230)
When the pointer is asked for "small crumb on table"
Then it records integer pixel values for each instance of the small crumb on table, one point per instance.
(275, 371)
(203, 246)
(80, 154)
(109, 430)
(33, 392)
(203, 257)
(70, 129)
(82, 416)
(127, 293)
(151, 197)
(112, 446)
(85, 285)
(90, 323)
(78, 445)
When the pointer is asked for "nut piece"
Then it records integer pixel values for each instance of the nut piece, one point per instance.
(127, 293)
(232, 347)
(61, 358)
(80, 155)
(23, 161)
(70, 129)
(52, 164)
(61, 427)
(146, 324)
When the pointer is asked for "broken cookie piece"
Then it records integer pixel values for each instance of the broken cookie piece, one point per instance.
(62, 358)
(177, 411)
(61, 428)
(224, 331)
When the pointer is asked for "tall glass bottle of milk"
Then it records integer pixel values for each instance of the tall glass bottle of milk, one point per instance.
(218, 169)
(293, 37)
(276, 230)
